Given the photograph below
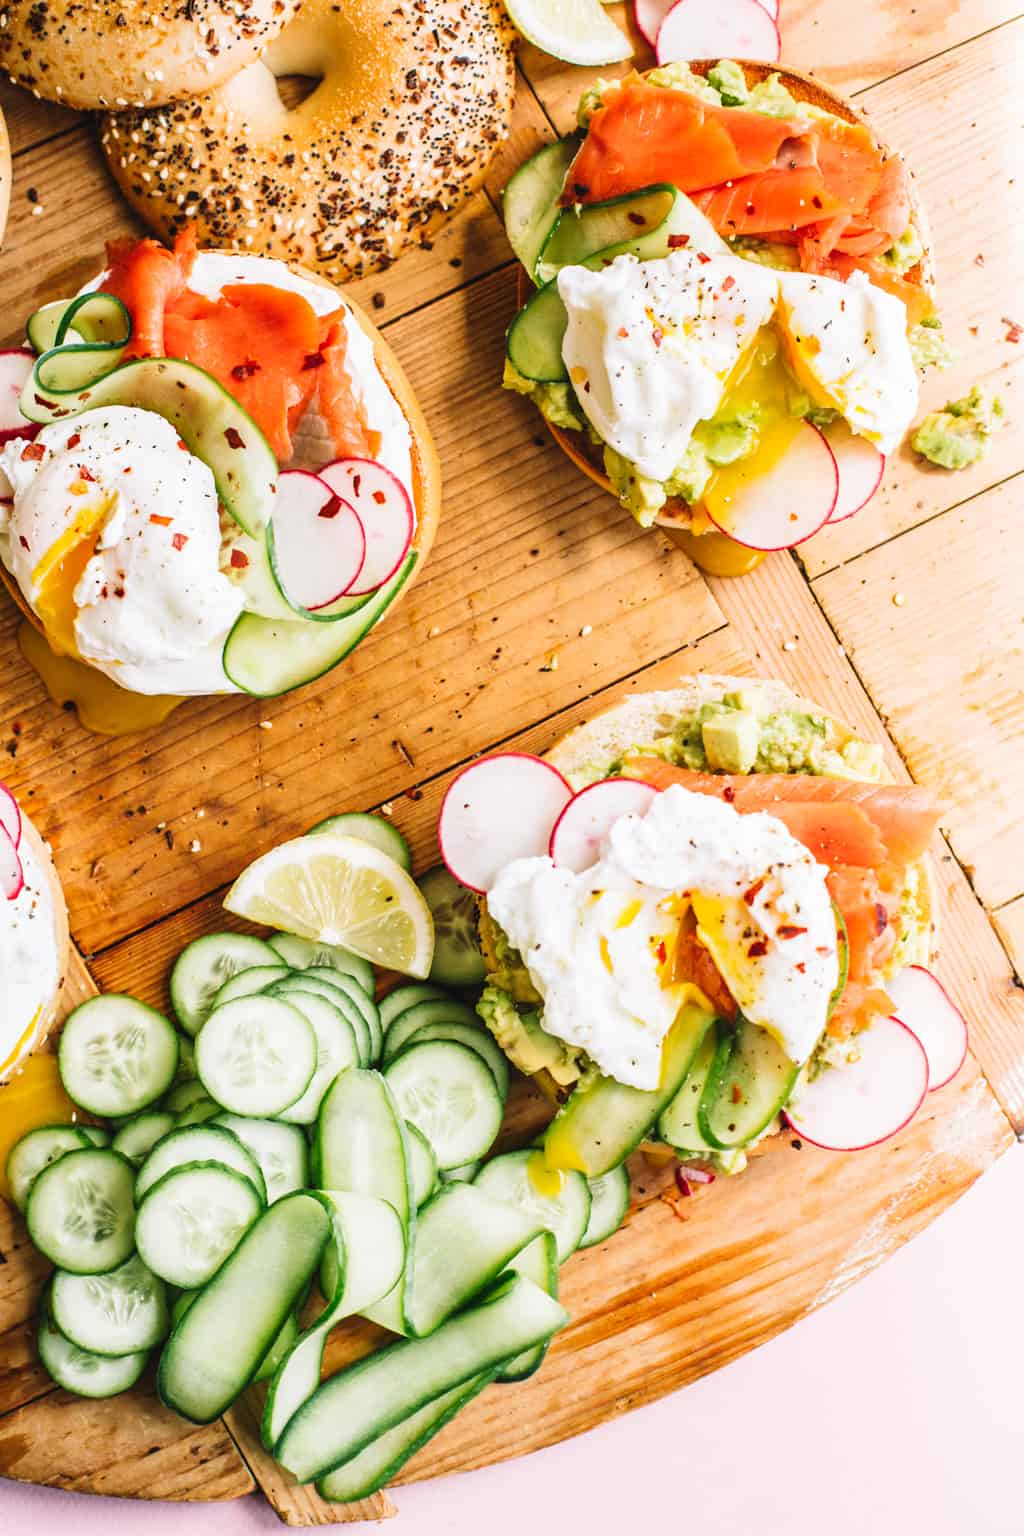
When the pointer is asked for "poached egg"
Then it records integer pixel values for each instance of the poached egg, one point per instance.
(600, 946)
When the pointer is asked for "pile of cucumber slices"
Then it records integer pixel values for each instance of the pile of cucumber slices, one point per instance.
(286, 1131)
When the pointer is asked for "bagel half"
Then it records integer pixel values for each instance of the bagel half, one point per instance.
(426, 466)
(5, 175)
(675, 516)
(587, 753)
(122, 53)
(54, 895)
(410, 106)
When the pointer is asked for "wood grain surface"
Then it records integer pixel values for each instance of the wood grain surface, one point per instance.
(541, 603)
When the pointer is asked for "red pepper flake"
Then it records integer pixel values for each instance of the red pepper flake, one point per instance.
(182, 445)
(234, 437)
(636, 218)
(85, 474)
(662, 953)
(74, 440)
(801, 966)
(979, 260)
(379, 497)
(816, 200)
(23, 541)
(357, 481)
(330, 508)
(161, 522)
(245, 370)
(791, 931)
(179, 540)
(750, 896)
(622, 332)
(737, 1093)
(658, 337)
(313, 360)
(119, 591)
(728, 793)
(33, 451)
(728, 282)
(677, 242)
(881, 918)
(239, 560)
(1013, 332)
(759, 947)
(703, 258)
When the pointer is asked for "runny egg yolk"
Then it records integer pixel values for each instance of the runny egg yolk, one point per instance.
(61, 568)
(35, 1096)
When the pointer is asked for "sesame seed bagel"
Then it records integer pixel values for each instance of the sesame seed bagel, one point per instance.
(5, 175)
(124, 53)
(677, 515)
(411, 103)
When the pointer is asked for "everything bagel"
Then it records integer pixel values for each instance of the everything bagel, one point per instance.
(125, 53)
(409, 109)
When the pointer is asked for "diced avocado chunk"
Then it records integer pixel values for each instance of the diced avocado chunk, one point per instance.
(645, 497)
(680, 77)
(556, 402)
(731, 740)
(730, 82)
(784, 257)
(525, 1043)
(790, 742)
(906, 252)
(958, 436)
(729, 439)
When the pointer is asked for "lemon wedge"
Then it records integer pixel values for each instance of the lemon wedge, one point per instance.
(577, 31)
(337, 890)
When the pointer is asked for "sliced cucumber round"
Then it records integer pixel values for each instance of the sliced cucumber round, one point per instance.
(199, 1144)
(422, 1164)
(442, 1011)
(118, 1313)
(256, 1056)
(35, 1151)
(279, 1149)
(457, 958)
(247, 983)
(609, 1202)
(116, 1055)
(407, 996)
(192, 1219)
(476, 1039)
(336, 1049)
(750, 1080)
(358, 996)
(205, 965)
(136, 1140)
(80, 1371)
(81, 1214)
(370, 829)
(184, 1094)
(333, 993)
(449, 1093)
(303, 954)
(560, 1203)
(465, 1173)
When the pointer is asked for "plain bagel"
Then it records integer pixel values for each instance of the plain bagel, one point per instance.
(412, 102)
(125, 53)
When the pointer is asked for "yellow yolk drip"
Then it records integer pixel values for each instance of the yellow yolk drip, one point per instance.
(102, 706)
(34, 1097)
(547, 1181)
(59, 572)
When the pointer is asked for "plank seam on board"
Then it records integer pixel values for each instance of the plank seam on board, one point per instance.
(465, 286)
(965, 42)
(419, 784)
(891, 538)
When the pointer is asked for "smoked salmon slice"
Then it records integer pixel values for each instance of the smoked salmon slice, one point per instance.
(266, 345)
(906, 815)
(751, 174)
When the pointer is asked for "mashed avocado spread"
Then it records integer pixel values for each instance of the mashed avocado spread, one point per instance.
(958, 436)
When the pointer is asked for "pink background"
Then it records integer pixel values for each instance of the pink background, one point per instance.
(896, 1409)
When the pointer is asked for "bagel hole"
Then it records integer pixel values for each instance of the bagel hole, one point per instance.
(295, 89)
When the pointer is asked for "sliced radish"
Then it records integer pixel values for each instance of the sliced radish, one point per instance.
(499, 809)
(925, 1007)
(860, 467)
(12, 876)
(385, 510)
(15, 366)
(585, 822)
(869, 1099)
(717, 29)
(317, 540)
(788, 502)
(649, 15)
(10, 815)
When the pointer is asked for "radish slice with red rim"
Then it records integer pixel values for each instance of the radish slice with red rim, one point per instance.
(316, 540)
(585, 822)
(385, 510)
(925, 1007)
(12, 876)
(784, 504)
(16, 365)
(860, 467)
(717, 29)
(10, 815)
(649, 15)
(863, 1101)
(499, 809)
